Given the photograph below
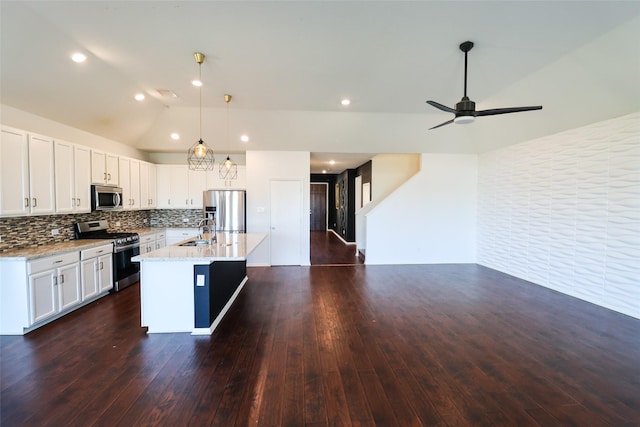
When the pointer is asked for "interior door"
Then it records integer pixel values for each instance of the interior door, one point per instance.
(318, 220)
(286, 222)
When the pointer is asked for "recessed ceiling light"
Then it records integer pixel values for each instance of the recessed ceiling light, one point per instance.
(345, 101)
(244, 138)
(78, 57)
(175, 136)
(332, 162)
(196, 83)
(139, 97)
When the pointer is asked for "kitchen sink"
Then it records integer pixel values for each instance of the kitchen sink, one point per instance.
(195, 243)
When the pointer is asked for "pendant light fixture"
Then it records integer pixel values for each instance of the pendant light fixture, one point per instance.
(200, 156)
(228, 170)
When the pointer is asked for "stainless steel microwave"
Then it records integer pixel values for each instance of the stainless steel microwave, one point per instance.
(104, 198)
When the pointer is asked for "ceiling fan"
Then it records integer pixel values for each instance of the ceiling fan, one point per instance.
(465, 111)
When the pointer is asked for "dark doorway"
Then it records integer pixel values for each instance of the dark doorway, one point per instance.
(318, 220)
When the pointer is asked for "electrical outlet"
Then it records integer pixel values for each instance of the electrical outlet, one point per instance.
(144, 221)
(117, 223)
(185, 219)
(55, 231)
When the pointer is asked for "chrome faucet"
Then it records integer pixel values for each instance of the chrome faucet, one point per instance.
(203, 225)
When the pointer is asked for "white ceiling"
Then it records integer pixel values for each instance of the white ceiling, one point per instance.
(288, 64)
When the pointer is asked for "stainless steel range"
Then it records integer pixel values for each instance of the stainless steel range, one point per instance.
(125, 247)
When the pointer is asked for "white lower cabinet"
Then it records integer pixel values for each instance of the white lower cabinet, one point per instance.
(54, 286)
(35, 292)
(97, 271)
(152, 241)
(161, 239)
(147, 242)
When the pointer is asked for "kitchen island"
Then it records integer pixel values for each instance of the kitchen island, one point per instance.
(190, 288)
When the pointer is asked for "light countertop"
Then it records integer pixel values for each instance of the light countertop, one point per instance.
(229, 247)
(53, 249)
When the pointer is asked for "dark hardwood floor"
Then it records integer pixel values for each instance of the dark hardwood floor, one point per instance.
(328, 249)
(439, 345)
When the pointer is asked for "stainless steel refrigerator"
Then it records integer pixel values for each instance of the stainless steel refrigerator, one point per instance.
(227, 208)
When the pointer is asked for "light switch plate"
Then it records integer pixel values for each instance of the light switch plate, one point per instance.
(55, 231)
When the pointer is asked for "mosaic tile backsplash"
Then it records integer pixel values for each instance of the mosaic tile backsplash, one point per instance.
(28, 231)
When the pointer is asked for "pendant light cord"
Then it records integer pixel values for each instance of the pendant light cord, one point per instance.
(200, 78)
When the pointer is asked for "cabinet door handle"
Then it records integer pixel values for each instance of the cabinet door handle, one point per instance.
(101, 266)
(78, 201)
(109, 177)
(26, 202)
(73, 202)
(34, 202)
(61, 279)
(58, 261)
(105, 176)
(55, 280)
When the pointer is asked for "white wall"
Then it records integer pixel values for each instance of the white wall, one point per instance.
(563, 211)
(36, 124)
(262, 167)
(389, 171)
(429, 219)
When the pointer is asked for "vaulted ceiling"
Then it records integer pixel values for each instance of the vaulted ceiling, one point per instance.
(288, 65)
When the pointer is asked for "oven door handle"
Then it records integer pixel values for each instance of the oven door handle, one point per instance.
(118, 249)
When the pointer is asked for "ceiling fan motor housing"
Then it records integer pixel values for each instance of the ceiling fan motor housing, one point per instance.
(465, 107)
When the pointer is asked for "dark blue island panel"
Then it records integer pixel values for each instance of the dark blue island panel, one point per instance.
(213, 287)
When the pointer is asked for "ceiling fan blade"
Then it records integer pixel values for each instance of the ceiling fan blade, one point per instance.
(442, 124)
(495, 111)
(442, 107)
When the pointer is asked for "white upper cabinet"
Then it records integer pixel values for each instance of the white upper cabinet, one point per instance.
(41, 174)
(147, 185)
(134, 177)
(82, 176)
(214, 182)
(173, 186)
(179, 187)
(73, 177)
(65, 177)
(144, 185)
(104, 168)
(125, 182)
(129, 179)
(153, 196)
(14, 172)
(197, 185)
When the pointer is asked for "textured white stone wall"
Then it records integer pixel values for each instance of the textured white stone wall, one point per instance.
(563, 212)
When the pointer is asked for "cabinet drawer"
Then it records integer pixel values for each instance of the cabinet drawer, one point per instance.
(161, 235)
(94, 252)
(146, 238)
(48, 263)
